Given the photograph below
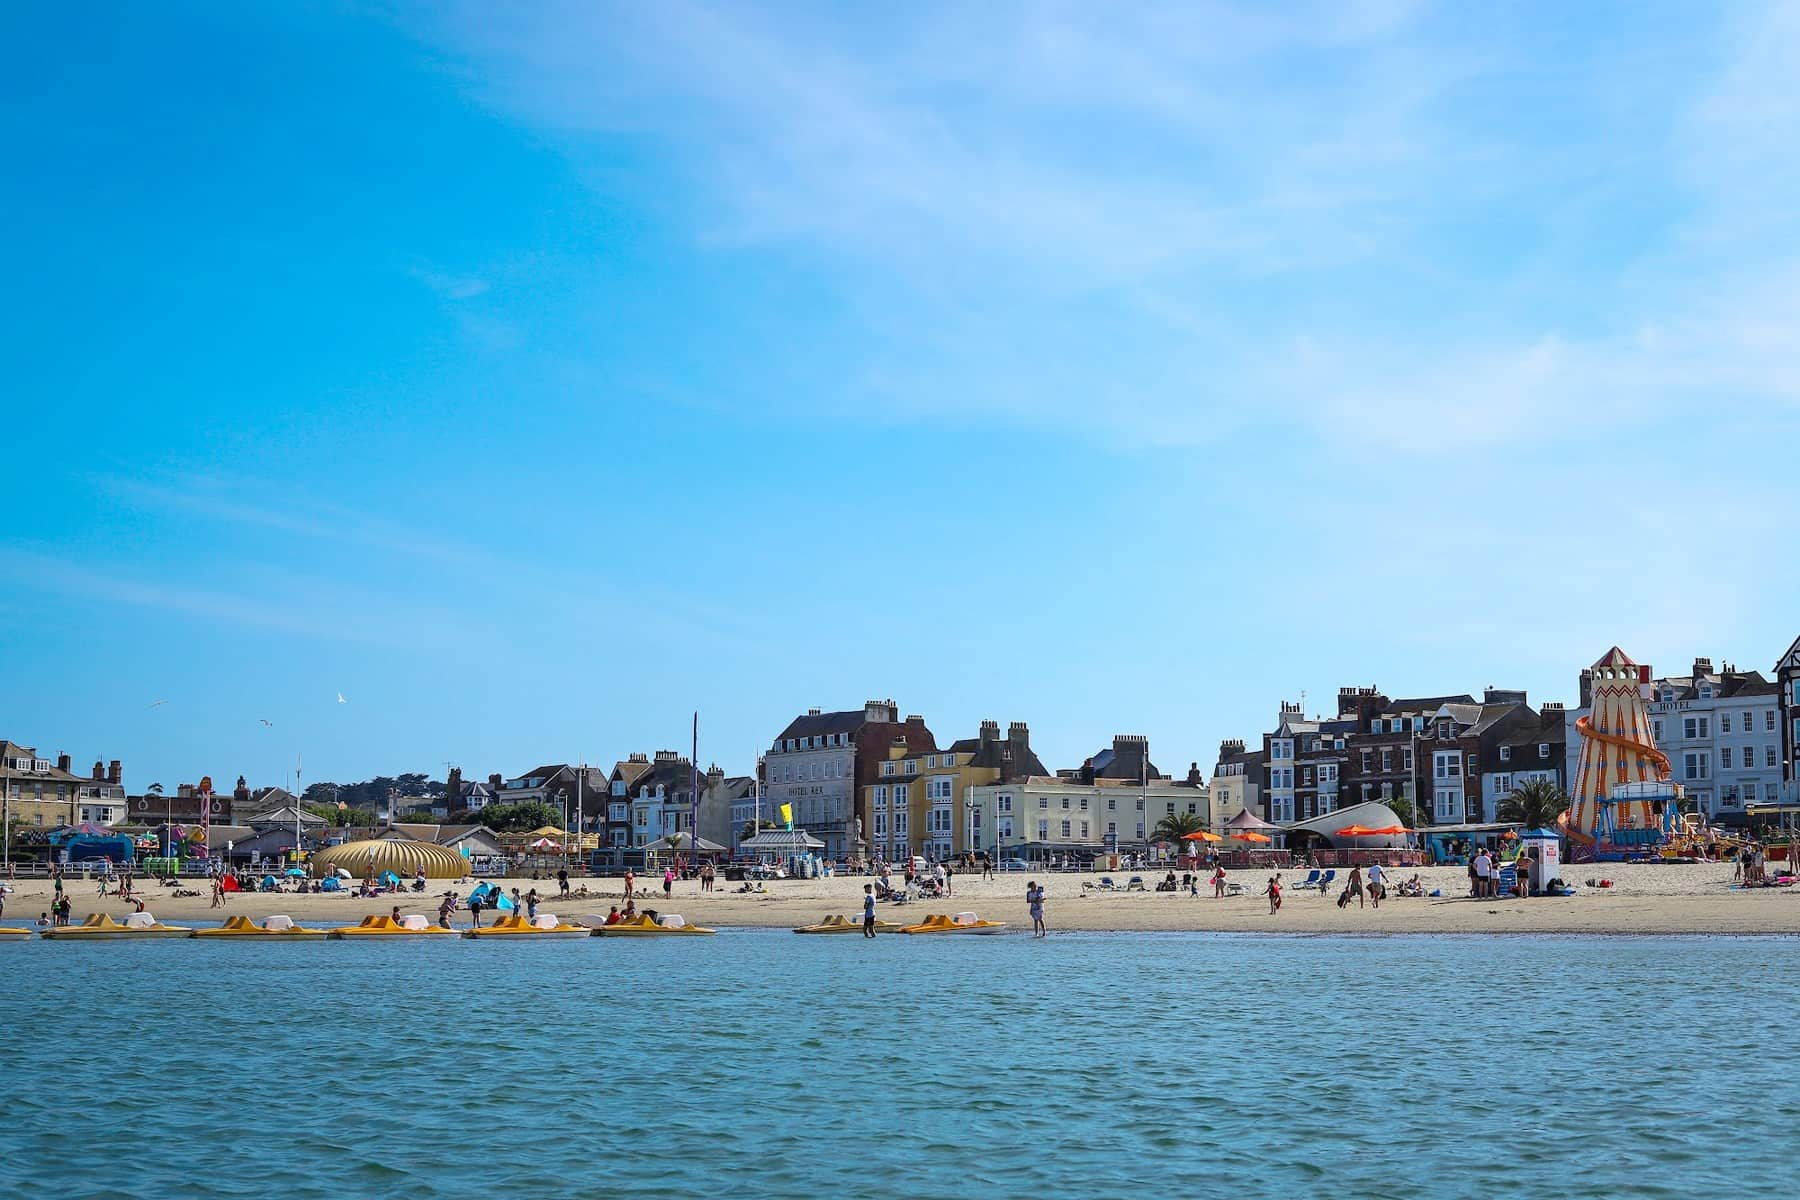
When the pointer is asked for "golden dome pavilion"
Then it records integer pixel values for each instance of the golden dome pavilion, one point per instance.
(389, 854)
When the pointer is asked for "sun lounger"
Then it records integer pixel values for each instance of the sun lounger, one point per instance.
(1106, 884)
(1135, 884)
(1311, 880)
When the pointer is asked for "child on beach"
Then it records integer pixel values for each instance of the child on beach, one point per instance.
(1034, 897)
(1273, 892)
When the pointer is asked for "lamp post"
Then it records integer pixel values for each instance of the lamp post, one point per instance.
(563, 795)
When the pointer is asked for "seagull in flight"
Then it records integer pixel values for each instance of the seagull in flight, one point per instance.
(266, 724)
(157, 703)
(341, 699)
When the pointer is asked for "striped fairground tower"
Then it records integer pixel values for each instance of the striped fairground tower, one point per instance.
(1617, 747)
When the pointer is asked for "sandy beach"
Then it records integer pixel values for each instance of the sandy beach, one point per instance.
(1692, 899)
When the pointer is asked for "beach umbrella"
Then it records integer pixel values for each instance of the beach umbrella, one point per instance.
(1201, 835)
(344, 874)
(295, 873)
(543, 843)
(1356, 831)
(1250, 835)
(1390, 831)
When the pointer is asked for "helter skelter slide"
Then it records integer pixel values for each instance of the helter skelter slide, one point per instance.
(1623, 803)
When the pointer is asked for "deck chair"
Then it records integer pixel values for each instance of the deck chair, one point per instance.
(1106, 884)
(1135, 884)
(1311, 880)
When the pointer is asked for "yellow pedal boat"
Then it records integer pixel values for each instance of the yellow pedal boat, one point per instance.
(842, 924)
(515, 926)
(410, 925)
(274, 929)
(20, 931)
(960, 923)
(101, 927)
(669, 925)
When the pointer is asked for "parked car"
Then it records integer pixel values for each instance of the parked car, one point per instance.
(1015, 864)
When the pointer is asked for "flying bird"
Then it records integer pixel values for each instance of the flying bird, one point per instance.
(158, 703)
(341, 699)
(266, 724)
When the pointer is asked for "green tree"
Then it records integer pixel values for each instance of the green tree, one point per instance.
(1176, 826)
(1536, 804)
(529, 814)
(342, 816)
(1403, 808)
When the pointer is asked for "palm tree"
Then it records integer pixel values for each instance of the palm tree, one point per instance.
(1535, 804)
(1176, 826)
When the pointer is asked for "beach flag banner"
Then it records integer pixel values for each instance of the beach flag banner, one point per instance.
(787, 814)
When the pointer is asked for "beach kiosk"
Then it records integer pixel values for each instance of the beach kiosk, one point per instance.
(1545, 848)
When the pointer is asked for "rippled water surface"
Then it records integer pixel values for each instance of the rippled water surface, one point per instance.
(763, 1064)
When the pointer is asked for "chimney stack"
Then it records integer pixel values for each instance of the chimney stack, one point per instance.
(1702, 666)
(115, 773)
(990, 731)
(495, 780)
(99, 771)
(63, 763)
(1231, 746)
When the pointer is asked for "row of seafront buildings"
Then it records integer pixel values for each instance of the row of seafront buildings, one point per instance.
(868, 782)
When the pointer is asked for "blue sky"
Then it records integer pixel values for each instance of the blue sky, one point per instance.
(533, 375)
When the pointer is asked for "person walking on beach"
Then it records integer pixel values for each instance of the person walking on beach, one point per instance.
(1352, 888)
(562, 882)
(1034, 899)
(475, 912)
(446, 908)
(1273, 892)
(531, 902)
(668, 883)
(1377, 888)
(218, 892)
(630, 882)
(868, 910)
(1218, 881)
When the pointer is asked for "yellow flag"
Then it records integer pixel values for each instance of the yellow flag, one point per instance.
(787, 813)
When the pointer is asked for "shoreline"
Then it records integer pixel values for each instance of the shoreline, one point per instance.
(1647, 900)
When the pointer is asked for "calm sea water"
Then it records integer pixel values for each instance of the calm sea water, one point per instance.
(763, 1064)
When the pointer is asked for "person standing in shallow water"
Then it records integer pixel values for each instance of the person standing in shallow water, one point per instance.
(868, 910)
(1034, 899)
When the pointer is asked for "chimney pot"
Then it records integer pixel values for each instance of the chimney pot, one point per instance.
(99, 770)
(114, 772)
(63, 762)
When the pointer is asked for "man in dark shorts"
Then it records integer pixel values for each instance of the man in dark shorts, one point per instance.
(868, 910)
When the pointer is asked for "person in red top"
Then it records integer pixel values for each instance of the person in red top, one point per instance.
(1273, 892)
(1219, 882)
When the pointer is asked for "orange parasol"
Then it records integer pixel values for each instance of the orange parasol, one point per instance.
(1201, 835)
(1388, 831)
(1250, 835)
(1356, 831)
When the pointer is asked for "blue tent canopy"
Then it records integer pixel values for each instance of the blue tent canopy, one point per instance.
(491, 896)
(330, 884)
(389, 879)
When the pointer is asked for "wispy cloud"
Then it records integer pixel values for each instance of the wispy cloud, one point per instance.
(1153, 224)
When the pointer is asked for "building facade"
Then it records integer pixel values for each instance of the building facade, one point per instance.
(1787, 681)
(1722, 732)
(925, 803)
(45, 793)
(821, 762)
(1236, 783)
